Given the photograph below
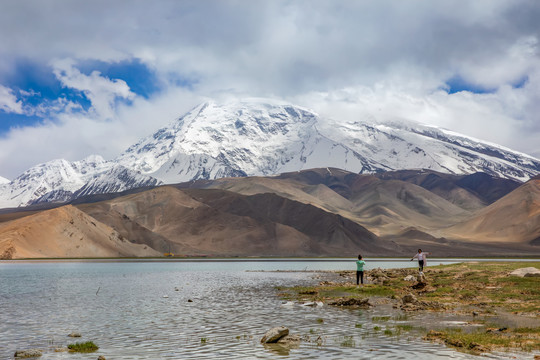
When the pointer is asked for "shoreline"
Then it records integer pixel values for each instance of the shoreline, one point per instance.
(534, 258)
(492, 310)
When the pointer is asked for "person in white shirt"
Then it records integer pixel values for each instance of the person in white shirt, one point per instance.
(421, 256)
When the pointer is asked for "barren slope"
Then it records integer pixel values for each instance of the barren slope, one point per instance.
(514, 218)
(383, 206)
(218, 222)
(64, 232)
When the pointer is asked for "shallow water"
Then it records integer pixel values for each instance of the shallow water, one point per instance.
(141, 310)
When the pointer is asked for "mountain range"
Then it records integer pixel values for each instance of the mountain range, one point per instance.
(261, 137)
(265, 178)
(324, 211)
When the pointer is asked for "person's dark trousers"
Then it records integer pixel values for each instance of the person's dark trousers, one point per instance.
(421, 265)
(359, 277)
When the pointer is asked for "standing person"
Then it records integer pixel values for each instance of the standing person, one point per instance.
(422, 259)
(360, 269)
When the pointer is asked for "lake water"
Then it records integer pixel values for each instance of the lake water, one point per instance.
(190, 310)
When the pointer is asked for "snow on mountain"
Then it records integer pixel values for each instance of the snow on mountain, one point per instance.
(402, 145)
(116, 179)
(239, 139)
(3, 180)
(59, 180)
(265, 137)
(257, 137)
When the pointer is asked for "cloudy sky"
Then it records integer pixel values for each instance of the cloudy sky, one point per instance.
(92, 77)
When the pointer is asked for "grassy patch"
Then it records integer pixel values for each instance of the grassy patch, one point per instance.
(348, 341)
(380, 318)
(527, 330)
(487, 283)
(481, 341)
(405, 327)
(85, 347)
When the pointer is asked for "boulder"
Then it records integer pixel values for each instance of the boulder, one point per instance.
(75, 334)
(410, 278)
(28, 353)
(526, 272)
(274, 334)
(409, 299)
(351, 302)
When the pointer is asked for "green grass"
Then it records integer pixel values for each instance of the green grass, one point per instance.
(380, 318)
(401, 317)
(348, 342)
(365, 291)
(85, 347)
(527, 330)
(481, 340)
(405, 327)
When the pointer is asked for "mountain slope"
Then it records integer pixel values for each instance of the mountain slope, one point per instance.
(61, 181)
(64, 232)
(383, 206)
(472, 192)
(407, 145)
(218, 222)
(514, 217)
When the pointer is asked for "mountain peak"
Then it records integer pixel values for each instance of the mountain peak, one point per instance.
(263, 137)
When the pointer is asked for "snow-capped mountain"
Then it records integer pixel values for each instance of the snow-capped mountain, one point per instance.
(3, 180)
(239, 139)
(265, 137)
(61, 180)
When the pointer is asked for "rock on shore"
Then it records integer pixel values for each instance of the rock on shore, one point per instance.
(31, 353)
(274, 334)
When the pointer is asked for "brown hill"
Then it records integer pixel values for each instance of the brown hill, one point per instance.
(219, 222)
(383, 206)
(471, 192)
(514, 218)
(388, 207)
(64, 232)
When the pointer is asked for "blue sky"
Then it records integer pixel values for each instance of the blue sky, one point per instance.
(82, 78)
(35, 86)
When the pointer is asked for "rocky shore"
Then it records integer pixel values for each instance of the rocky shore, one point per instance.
(497, 303)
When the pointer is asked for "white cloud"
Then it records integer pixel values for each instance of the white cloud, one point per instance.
(102, 92)
(378, 59)
(508, 117)
(9, 102)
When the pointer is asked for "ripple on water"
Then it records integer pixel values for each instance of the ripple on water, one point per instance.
(121, 307)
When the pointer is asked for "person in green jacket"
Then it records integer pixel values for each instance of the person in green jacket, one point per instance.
(360, 270)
